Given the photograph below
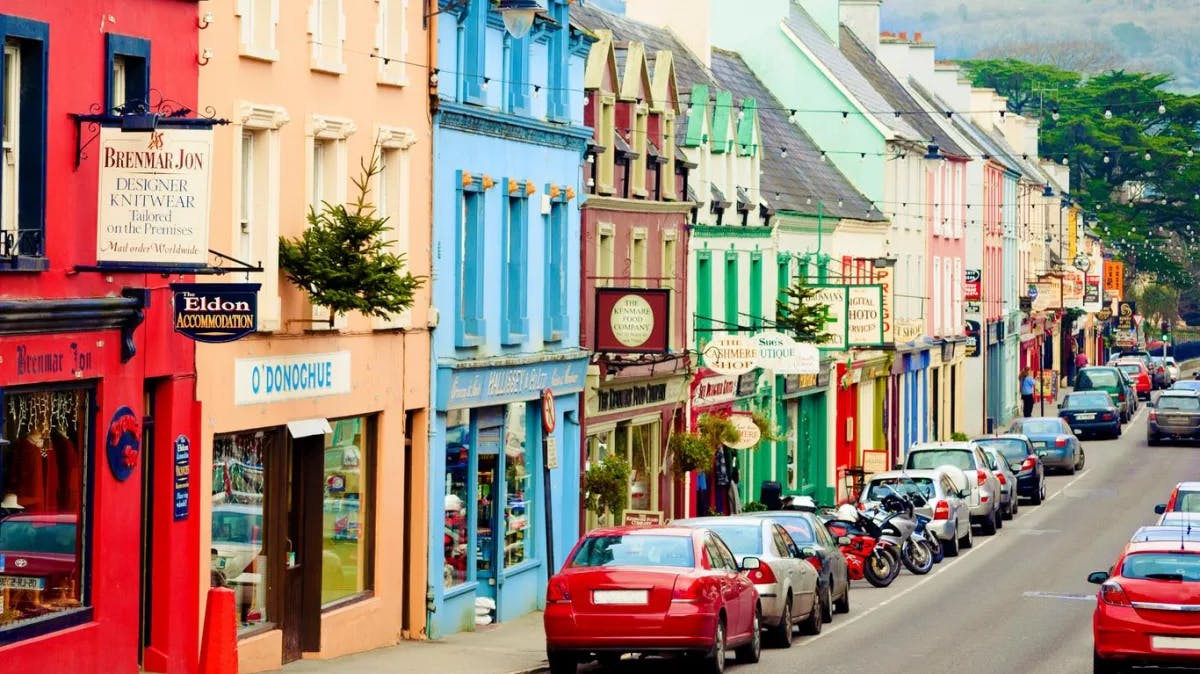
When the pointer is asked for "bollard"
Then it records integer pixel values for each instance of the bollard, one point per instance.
(218, 643)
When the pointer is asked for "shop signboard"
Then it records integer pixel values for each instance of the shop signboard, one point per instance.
(474, 387)
(633, 320)
(883, 278)
(909, 331)
(215, 312)
(154, 191)
(276, 378)
(874, 461)
(783, 355)
(1125, 314)
(642, 518)
(52, 358)
(183, 476)
(864, 315)
(1114, 277)
(836, 299)
(746, 384)
(1047, 386)
(730, 354)
(973, 333)
(797, 383)
(1104, 314)
(749, 434)
(973, 285)
(713, 391)
(1091, 292)
(617, 397)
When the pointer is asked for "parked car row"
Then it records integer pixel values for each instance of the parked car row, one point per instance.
(1147, 612)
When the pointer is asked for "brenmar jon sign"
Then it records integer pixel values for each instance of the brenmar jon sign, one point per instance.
(154, 197)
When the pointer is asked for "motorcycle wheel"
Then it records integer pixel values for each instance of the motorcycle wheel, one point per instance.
(917, 556)
(879, 569)
(935, 544)
(893, 553)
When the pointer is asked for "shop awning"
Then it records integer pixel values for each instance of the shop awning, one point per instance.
(306, 428)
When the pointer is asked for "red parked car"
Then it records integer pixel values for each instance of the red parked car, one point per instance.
(1148, 607)
(652, 590)
(1139, 374)
(1185, 497)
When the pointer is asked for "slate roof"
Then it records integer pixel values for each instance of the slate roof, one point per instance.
(983, 140)
(688, 69)
(815, 39)
(802, 174)
(884, 82)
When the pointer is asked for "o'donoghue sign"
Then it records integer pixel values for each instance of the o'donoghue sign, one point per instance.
(215, 312)
(154, 197)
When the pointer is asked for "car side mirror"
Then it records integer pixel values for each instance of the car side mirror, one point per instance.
(807, 552)
(1097, 577)
(1160, 508)
(1014, 467)
(750, 564)
(1041, 455)
(843, 540)
(1149, 404)
(966, 493)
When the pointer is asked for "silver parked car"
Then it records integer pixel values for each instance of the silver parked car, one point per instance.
(786, 582)
(1176, 414)
(937, 493)
(968, 457)
(1009, 502)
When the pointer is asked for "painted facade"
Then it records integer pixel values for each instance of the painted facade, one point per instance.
(509, 143)
(314, 90)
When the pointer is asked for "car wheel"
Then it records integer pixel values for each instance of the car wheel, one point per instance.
(842, 605)
(562, 662)
(1102, 666)
(752, 650)
(781, 636)
(814, 622)
(1071, 470)
(967, 541)
(1152, 440)
(950, 547)
(714, 662)
(827, 602)
(1016, 507)
(988, 526)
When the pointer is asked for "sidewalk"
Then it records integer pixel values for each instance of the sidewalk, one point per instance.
(514, 647)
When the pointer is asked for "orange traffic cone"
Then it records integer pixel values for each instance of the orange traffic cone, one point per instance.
(218, 645)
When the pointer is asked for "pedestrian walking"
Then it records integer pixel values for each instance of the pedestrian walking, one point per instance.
(1027, 384)
(1081, 361)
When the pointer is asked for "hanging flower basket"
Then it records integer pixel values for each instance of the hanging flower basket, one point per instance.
(690, 451)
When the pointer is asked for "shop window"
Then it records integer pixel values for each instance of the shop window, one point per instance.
(44, 568)
(346, 533)
(391, 42)
(471, 326)
(239, 530)
(257, 22)
(128, 72)
(22, 171)
(555, 328)
(456, 533)
(516, 256)
(793, 448)
(327, 30)
(637, 442)
(519, 473)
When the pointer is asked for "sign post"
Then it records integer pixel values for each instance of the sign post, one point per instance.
(550, 461)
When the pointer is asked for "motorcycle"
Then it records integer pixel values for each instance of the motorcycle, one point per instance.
(868, 555)
(930, 538)
(896, 519)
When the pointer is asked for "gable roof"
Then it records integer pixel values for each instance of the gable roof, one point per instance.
(816, 41)
(967, 127)
(688, 69)
(801, 174)
(884, 82)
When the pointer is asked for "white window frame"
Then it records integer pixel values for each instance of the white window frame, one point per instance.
(639, 257)
(327, 33)
(391, 42)
(265, 122)
(670, 270)
(392, 190)
(258, 29)
(117, 91)
(606, 243)
(11, 141)
(328, 181)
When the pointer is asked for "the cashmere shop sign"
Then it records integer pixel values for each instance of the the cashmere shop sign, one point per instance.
(154, 197)
(775, 351)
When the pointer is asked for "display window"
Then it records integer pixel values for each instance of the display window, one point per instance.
(456, 536)
(639, 441)
(43, 506)
(239, 530)
(518, 479)
(345, 534)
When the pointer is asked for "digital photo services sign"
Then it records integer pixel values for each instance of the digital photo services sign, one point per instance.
(633, 320)
(154, 197)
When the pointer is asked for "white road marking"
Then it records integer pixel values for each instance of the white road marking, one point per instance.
(1060, 595)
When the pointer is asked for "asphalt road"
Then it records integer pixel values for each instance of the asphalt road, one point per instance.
(1018, 601)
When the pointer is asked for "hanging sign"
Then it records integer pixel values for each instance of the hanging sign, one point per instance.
(973, 285)
(183, 476)
(973, 333)
(1125, 313)
(1104, 314)
(1114, 276)
(783, 355)
(154, 197)
(748, 433)
(633, 320)
(731, 354)
(864, 315)
(215, 312)
(836, 299)
(883, 278)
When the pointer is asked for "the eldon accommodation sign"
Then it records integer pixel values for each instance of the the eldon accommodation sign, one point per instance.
(154, 197)
(215, 312)
(633, 320)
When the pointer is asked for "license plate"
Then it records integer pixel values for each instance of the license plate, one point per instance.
(1039, 444)
(627, 597)
(1085, 417)
(23, 583)
(1175, 643)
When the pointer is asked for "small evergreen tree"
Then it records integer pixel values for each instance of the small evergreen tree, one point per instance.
(342, 260)
(798, 315)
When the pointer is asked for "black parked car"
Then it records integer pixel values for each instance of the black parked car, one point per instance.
(1091, 413)
(1023, 460)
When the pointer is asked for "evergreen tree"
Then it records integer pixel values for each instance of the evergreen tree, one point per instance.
(343, 261)
(799, 316)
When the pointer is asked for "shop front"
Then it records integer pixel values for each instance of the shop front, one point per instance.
(715, 491)
(634, 418)
(509, 490)
(862, 412)
(996, 391)
(802, 468)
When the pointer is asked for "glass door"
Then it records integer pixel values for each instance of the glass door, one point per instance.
(487, 485)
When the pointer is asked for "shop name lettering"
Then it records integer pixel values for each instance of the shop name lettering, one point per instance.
(632, 397)
(293, 377)
(509, 383)
(30, 363)
(715, 389)
(213, 313)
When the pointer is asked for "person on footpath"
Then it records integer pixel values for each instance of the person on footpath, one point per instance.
(1027, 384)
(1081, 361)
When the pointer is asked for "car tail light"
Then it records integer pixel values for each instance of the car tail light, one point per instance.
(1060, 442)
(1106, 416)
(816, 562)
(941, 511)
(1153, 416)
(861, 506)
(763, 575)
(1029, 463)
(1121, 397)
(558, 592)
(980, 477)
(1113, 594)
(1000, 476)
(686, 590)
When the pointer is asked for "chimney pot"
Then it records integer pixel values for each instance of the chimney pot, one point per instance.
(903, 35)
(916, 37)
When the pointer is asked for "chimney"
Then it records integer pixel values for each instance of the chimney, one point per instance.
(904, 35)
(694, 33)
(862, 18)
(916, 37)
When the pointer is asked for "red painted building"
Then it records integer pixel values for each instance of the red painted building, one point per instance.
(635, 243)
(98, 558)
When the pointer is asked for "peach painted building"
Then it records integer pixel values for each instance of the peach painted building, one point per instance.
(314, 456)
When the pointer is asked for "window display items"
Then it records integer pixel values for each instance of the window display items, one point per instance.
(42, 478)
(344, 571)
(239, 559)
(457, 519)
(518, 477)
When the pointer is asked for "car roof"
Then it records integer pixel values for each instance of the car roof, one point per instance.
(1159, 532)
(640, 531)
(912, 472)
(1045, 418)
(702, 522)
(1163, 546)
(1097, 367)
(1188, 485)
(1180, 393)
(1006, 436)
(951, 444)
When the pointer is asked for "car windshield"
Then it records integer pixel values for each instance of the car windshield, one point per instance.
(1177, 402)
(1130, 368)
(1097, 379)
(902, 486)
(640, 550)
(1013, 449)
(1177, 566)
(742, 539)
(1041, 426)
(33, 536)
(799, 528)
(236, 527)
(932, 458)
(1187, 502)
(1085, 400)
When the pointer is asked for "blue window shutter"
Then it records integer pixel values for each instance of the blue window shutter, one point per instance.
(518, 74)
(471, 326)
(555, 310)
(559, 58)
(514, 284)
(473, 38)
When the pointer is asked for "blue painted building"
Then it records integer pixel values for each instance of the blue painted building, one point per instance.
(508, 144)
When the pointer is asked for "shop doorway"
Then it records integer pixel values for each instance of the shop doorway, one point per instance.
(303, 474)
(146, 574)
(487, 525)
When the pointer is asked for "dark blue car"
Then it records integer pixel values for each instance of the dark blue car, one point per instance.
(1054, 441)
(1091, 413)
(807, 531)
(1024, 462)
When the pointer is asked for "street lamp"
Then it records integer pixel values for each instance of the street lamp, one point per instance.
(518, 15)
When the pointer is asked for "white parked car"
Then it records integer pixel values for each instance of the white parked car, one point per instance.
(938, 493)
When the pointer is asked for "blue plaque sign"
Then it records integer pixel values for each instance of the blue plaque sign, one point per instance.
(216, 312)
(183, 476)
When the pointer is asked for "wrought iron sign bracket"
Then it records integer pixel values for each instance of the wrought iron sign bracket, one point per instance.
(166, 272)
(137, 116)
